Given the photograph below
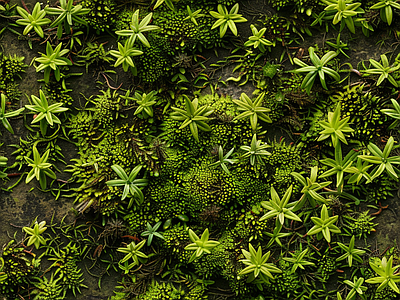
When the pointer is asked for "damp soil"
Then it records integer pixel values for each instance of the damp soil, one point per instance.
(26, 202)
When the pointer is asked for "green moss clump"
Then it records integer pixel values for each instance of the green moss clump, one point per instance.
(364, 111)
(107, 107)
(162, 291)
(55, 92)
(286, 284)
(176, 239)
(11, 69)
(17, 269)
(102, 14)
(67, 269)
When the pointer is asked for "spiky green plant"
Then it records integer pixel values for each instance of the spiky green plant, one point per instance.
(131, 185)
(318, 69)
(45, 113)
(193, 15)
(223, 160)
(310, 188)
(52, 60)
(344, 11)
(252, 110)
(382, 159)
(124, 55)
(280, 208)
(133, 252)
(350, 252)
(33, 21)
(388, 275)
(67, 13)
(256, 151)
(336, 128)
(137, 29)
(200, 245)
(383, 69)
(386, 9)
(257, 265)
(35, 233)
(4, 116)
(40, 168)
(193, 116)
(298, 260)
(152, 232)
(324, 224)
(227, 19)
(257, 40)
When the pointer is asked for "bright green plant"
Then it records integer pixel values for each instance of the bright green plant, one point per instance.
(325, 224)
(200, 245)
(152, 232)
(393, 113)
(257, 265)
(383, 70)
(137, 29)
(335, 127)
(310, 188)
(52, 60)
(169, 3)
(256, 151)
(3, 163)
(276, 236)
(131, 185)
(344, 11)
(33, 21)
(124, 55)
(35, 232)
(278, 208)
(382, 159)
(298, 260)
(192, 16)
(45, 113)
(4, 115)
(350, 252)
(388, 275)
(48, 289)
(356, 288)
(339, 46)
(223, 160)
(145, 102)
(257, 40)
(193, 116)
(252, 110)
(385, 9)
(40, 168)
(318, 69)
(359, 171)
(67, 13)
(339, 166)
(133, 252)
(226, 19)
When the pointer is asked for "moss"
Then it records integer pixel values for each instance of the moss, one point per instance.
(286, 284)
(69, 274)
(176, 239)
(18, 270)
(364, 111)
(55, 92)
(107, 107)
(162, 291)
(102, 14)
